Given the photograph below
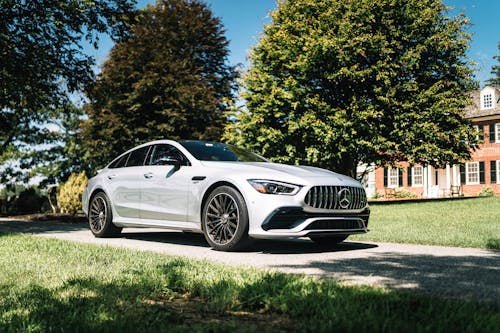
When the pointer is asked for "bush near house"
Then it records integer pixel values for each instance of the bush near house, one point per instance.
(69, 194)
(486, 192)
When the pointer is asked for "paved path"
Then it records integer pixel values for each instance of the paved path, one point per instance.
(447, 271)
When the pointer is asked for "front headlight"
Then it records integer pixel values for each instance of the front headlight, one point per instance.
(274, 187)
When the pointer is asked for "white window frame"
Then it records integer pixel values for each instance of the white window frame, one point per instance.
(497, 132)
(498, 171)
(487, 101)
(392, 177)
(472, 173)
(420, 176)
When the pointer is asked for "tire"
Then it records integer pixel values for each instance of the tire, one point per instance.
(225, 220)
(101, 217)
(328, 241)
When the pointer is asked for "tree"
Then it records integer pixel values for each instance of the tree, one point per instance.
(495, 70)
(168, 80)
(337, 82)
(42, 62)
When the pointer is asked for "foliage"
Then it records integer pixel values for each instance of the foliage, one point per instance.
(16, 199)
(42, 63)
(336, 82)
(69, 194)
(51, 285)
(486, 192)
(404, 194)
(495, 71)
(452, 222)
(55, 161)
(168, 80)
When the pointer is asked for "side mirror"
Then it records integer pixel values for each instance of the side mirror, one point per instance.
(169, 160)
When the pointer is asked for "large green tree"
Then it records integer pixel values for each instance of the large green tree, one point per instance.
(170, 79)
(334, 83)
(42, 62)
(495, 71)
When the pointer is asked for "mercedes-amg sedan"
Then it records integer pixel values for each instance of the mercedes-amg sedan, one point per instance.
(228, 194)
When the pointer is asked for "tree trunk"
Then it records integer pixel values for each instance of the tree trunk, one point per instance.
(346, 166)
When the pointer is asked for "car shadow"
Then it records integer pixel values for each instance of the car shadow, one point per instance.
(301, 245)
(167, 237)
(281, 246)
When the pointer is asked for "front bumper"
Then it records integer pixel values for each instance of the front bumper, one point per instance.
(287, 222)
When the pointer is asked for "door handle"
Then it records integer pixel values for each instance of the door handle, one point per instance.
(148, 175)
(110, 177)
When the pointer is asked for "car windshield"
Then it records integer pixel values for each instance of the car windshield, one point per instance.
(214, 151)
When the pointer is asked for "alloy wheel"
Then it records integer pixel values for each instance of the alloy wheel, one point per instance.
(98, 213)
(222, 218)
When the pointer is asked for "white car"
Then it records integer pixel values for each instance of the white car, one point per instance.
(225, 192)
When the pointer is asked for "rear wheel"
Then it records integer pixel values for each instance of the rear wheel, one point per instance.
(101, 217)
(328, 240)
(225, 220)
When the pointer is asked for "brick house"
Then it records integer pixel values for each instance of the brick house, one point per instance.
(483, 170)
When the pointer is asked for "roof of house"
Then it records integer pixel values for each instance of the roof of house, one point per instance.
(474, 110)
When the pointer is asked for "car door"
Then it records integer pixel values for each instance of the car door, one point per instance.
(165, 185)
(124, 183)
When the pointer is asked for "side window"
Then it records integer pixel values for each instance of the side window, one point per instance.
(138, 156)
(161, 153)
(119, 162)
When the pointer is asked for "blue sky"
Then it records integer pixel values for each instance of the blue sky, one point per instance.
(244, 20)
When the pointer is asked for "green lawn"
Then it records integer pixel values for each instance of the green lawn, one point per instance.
(49, 285)
(461, 222)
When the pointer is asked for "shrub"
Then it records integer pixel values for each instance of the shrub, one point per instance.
(486, 192)
(377, 196)
(20, 200)
(404, 194)
(69, 194)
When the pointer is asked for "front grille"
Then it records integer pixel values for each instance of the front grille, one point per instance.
(336, 197)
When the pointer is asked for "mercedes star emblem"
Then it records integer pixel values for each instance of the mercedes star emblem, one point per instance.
(344, 198)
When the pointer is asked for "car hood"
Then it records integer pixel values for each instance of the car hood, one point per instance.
(283, 172)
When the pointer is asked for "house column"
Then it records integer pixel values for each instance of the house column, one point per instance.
(456, 179)
(425, 176)
(448, 178)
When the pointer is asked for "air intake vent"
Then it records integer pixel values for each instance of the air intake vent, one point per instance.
(336, 197)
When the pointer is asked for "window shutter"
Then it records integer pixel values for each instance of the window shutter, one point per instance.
(481, 132)
(400, 177)
(492, 133)
(409, 176)
(462, 174)
(385, 176)
(493, 172)
(481, 172)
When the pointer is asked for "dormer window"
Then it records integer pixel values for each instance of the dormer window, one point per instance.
(487, 101)
(488, 98)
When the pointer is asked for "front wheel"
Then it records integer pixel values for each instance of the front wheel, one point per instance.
(328, 240)
(225, 219)
(101, 217)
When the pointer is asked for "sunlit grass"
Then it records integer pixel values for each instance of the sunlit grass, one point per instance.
(50, 285)
(464, 223)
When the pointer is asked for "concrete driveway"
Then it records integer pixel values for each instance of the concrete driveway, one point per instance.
(445, 271)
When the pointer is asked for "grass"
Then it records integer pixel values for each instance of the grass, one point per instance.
(464, 223)
(49, 285)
